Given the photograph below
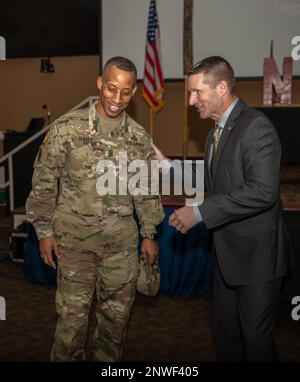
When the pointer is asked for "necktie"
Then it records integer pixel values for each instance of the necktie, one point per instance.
(215, 144)
(216, 138)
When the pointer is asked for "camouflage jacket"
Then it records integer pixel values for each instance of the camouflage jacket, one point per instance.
(65, 182)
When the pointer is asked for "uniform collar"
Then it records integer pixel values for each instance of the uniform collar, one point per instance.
(105, 125)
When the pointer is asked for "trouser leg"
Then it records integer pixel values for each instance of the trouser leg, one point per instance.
(226, 322)
(257, 310)
(75, 287)
(116, 288)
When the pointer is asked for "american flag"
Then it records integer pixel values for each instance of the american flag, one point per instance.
(153, 83)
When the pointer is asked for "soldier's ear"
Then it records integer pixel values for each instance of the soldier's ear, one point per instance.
(99, 83)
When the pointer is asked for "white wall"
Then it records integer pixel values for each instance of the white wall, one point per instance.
(124, 28)
(239, 30)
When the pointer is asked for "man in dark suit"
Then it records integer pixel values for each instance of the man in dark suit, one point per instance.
(243, 209)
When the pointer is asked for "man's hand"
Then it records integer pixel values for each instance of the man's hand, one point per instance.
(149, 250)
(158, 154)
(183, 219)
(46, 246)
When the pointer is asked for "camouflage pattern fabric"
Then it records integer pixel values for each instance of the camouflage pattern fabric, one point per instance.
(71, 152)
(148, 281)
(107, 267)
(96, 234)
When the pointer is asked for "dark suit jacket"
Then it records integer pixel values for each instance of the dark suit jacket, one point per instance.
(243, 206)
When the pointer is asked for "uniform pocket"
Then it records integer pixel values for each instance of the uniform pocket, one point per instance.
(79, 158)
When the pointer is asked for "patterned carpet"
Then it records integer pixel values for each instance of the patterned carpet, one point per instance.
(160, 329)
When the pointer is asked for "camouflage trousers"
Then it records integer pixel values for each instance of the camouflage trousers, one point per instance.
(105, 264)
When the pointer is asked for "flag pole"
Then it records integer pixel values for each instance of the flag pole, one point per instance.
(151, 122)
(185, 127)
(153, 83)
(187, 63)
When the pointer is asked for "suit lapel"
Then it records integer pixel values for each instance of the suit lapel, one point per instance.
(230, 124)
(207, 160)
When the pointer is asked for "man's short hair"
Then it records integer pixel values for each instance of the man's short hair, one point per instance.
(122, 63)
(215, 69)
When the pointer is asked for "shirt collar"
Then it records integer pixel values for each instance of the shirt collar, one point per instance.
(222, 121)
(106, 124)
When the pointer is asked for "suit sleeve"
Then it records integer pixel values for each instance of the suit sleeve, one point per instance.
(47, 169)
(260, 160)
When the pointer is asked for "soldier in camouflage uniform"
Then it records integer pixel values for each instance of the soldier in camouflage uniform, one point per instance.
(93, 236)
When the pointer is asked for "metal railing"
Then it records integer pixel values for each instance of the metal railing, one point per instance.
(9, 156)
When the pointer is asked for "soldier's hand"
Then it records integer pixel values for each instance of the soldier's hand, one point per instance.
(46, 246)
(149, 250)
